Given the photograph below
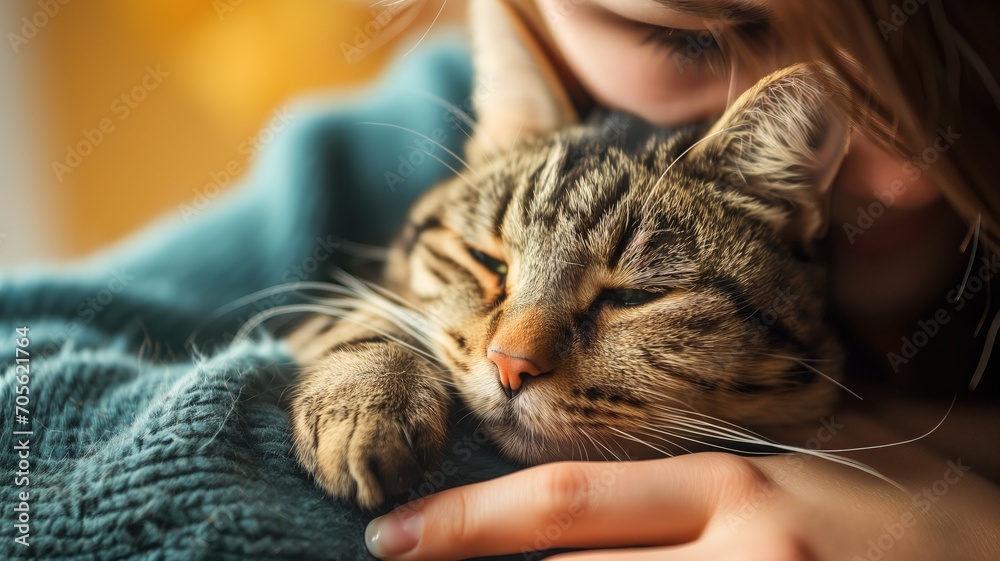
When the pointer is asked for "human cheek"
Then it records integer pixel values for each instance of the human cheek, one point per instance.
(871, 173)
(608, 57)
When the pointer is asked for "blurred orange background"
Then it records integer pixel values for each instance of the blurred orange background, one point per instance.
(116, 111)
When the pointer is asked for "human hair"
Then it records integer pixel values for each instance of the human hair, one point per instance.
(915, 69)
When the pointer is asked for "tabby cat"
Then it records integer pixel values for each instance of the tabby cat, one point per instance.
(599, 289)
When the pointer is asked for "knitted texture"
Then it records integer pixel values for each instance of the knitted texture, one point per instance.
(155, 437)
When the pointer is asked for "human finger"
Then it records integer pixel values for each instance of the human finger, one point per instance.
(565, 504)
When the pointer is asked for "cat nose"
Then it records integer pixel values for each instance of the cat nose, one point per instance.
(511, 369)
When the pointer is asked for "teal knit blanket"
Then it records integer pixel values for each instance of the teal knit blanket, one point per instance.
(132, 427)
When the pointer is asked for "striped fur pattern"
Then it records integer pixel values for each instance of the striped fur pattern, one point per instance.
(534, 247)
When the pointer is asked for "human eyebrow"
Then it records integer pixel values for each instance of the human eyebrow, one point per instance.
(735, 11)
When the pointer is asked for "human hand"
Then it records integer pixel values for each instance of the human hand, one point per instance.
(697, 506)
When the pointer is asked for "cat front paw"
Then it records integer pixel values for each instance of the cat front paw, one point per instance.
(366, 427)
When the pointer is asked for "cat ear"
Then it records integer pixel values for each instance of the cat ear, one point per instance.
(783, 141)
(530, 96)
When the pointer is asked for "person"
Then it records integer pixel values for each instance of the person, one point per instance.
(911, 223)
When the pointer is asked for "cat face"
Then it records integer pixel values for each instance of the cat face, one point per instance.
(608, 288)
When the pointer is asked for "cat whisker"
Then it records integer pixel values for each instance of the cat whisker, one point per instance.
(829, 455)
(716, 445)
(695, 427)
(719, 429)
(798, 358)
(278, 289)
(513, 143)
(622, 449)
(707, 430)
(408, 319)
(465, 118)
(984, 357)
(991, 333)
(580, 451)
(443, 375)
(609, 450)
(425, 137)
(404, 320)
(426, 31)
(469, 413)
(712, 429)
(359, 287)
(364, 289)
(453, 170)
(362, 250)
(663, 438)
(986, 308)
(652, 191)
(815, 370)
(448, 106)
(972, 256)
(901, 442)
(687, 410)
(593, 442)
(640, 441)
(343, 313)
(392, 2)
(702, 428)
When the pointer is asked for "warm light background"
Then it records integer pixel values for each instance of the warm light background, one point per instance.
(228, 64)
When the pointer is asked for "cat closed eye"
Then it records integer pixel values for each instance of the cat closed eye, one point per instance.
(627, 296)
(495, 265)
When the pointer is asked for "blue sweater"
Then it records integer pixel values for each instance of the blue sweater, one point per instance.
(145, 433)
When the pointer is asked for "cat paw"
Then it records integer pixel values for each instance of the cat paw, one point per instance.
(369, 434)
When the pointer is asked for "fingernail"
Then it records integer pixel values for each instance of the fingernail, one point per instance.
(394, 534)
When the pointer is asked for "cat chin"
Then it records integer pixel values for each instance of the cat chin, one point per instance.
(531, 429)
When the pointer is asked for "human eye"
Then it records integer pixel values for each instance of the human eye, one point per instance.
(687, 48)
(708, 48)
(669, 65)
